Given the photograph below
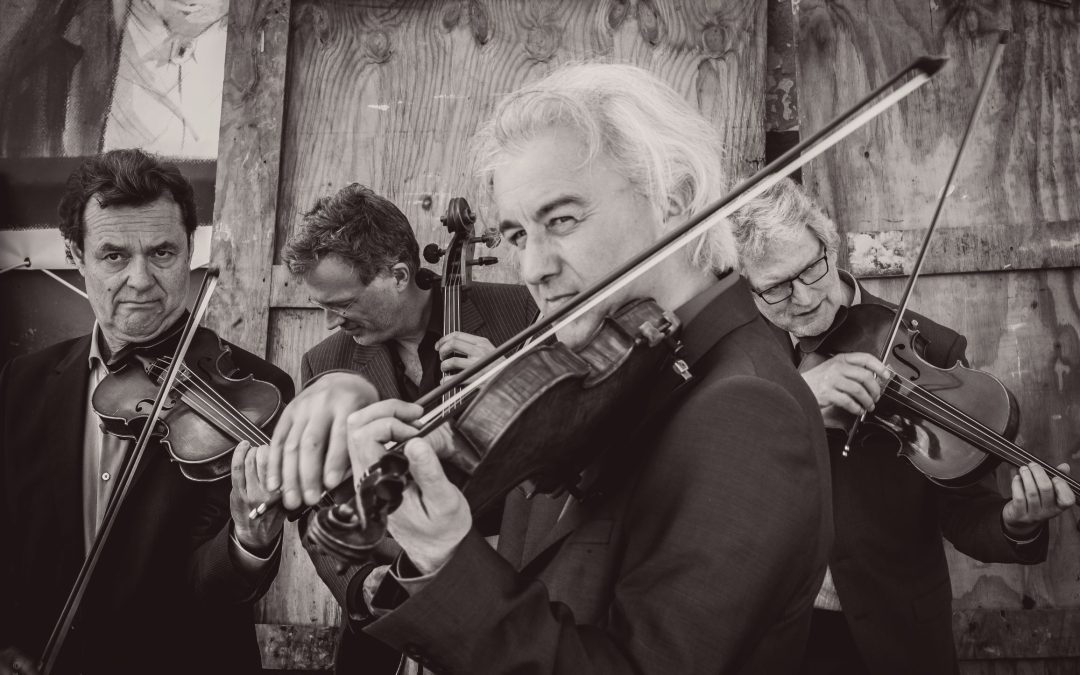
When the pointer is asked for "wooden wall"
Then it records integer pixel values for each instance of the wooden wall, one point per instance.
(387, 94)
(1005, 267)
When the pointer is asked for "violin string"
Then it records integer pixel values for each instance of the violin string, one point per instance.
(230, 420)
(936, 406)
(219, 418)
(944, 409)
(229, 414)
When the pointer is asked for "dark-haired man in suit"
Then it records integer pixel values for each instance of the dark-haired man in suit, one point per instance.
(359, 260)
(884, 606)
(175, 583)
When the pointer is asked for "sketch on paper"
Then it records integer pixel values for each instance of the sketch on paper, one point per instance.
(79, 77)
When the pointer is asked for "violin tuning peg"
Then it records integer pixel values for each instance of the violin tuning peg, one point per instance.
(483, 260)
(432, 253)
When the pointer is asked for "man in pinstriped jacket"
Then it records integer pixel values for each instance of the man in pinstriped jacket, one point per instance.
(359, 260)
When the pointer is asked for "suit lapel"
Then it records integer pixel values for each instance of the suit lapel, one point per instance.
(375, 364)
(472, 321)
(62, 438)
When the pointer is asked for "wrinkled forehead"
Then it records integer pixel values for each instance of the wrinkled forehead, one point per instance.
(159, 220)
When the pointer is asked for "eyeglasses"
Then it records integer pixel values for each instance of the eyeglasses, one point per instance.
(811, 274)
(331, 309)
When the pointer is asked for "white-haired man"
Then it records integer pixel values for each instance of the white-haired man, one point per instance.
(701, 538)
(885, 605)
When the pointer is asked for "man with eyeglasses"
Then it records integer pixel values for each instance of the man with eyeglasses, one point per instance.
(360, 263)
(885, 604)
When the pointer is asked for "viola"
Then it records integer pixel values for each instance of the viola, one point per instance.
(205, 415)
(953, 424)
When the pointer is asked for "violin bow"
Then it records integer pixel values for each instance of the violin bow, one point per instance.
(924, 68)
(984, 89)
(63, 626)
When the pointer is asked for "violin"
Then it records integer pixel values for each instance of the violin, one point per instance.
(505, 433)
(576, 395)
(953, 424)
(205, 415)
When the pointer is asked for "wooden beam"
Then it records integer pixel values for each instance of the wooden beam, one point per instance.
(245, 210)
(981, 635)
(1006, 247)
(1017, 633)
(286, 290)
(287, 647)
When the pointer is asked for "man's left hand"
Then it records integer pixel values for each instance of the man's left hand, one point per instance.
(248, 468)
(1036, 498)
(458, 351)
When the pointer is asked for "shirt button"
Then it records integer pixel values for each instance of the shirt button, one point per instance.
(106, 476)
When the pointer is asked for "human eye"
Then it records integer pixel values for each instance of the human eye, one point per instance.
(164, 253)
(562, 222)
(515, 237)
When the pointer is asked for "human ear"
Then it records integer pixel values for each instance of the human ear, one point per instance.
(402, 275)
(76, 254)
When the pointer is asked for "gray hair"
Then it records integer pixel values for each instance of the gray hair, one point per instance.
(654, 137)
(780, 214)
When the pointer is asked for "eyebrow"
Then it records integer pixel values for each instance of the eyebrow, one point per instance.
(544, 210)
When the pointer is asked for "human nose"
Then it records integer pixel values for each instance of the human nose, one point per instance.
(139, 276)
(800, 292)
(539, 262)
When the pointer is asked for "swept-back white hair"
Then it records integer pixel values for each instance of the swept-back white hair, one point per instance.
(653, 136)
(780, 214)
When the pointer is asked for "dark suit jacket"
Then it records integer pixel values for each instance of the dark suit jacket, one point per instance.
(888, 562)
(167, 596)
(494, 311)
(702, 554)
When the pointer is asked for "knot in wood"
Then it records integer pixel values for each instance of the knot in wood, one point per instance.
(451, 16)
(716, 39)
(480, 22)
(541, 42)
(617, 14)
(377, 46)
(649, 21)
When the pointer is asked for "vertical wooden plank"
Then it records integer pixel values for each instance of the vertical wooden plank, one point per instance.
(249, 154)
(297, 595)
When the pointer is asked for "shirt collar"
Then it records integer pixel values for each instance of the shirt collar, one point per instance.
(95, 349)
(690, 309)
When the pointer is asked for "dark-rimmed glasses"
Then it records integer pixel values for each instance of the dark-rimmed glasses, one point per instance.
(811, 274)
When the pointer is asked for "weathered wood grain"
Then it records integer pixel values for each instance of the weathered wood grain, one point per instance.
(245, 207)
(1022, 162)
(981, 248)
(388, 94)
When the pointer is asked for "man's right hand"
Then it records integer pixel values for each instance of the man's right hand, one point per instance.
(309, 450)
(14, 662)
(849, 383)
